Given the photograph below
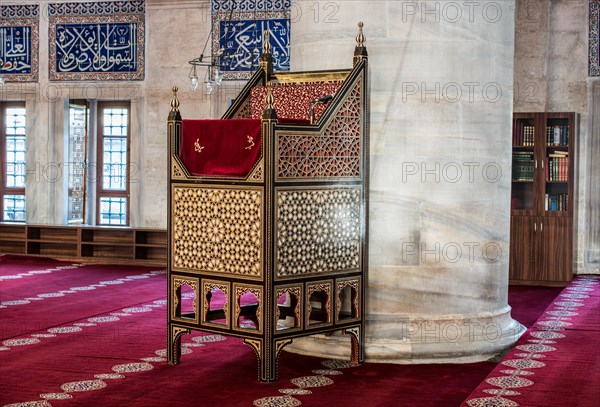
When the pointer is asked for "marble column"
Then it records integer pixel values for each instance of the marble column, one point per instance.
(441, 113)
(592, 249)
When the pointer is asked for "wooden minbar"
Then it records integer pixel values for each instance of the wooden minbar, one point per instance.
(267, 216)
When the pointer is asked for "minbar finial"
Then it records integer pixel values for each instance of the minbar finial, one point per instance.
(266, 42)
(269, 112)
(360, 51)
(269, 99)
(266, 59)
(175, 101)
(360, 38)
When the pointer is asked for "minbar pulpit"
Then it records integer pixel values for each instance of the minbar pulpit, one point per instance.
(267, 214)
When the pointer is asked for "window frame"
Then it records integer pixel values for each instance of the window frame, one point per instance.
(101, 192)
(68, 151)
(4, 188)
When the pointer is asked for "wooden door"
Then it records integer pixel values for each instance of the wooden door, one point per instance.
(523, 248)
(556, 241)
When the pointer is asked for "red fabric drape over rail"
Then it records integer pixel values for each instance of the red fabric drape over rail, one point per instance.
(222, 147)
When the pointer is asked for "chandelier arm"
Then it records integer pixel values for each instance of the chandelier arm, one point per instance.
(205, 44)
(213, 76)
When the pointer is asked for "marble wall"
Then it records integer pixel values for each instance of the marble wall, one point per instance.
(551, 74)
(175, 33)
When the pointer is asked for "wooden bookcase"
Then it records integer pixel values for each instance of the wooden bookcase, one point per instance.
(90, 244)
(542, 192)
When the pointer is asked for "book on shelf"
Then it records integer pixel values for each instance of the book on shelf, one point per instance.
(522, 166)
(523, 134)
(556, 202)
(557, 135)
(557, 166)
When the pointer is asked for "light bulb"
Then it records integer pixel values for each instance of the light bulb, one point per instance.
(1, 80)
(194, 83)
(218, 75)
(209, 88)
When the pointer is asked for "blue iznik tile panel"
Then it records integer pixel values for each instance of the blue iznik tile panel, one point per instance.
(97, 41)
(19, 42)
(594, 28)
(237, 34)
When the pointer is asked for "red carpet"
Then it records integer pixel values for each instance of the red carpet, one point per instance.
(66, 292)
(529, 302)
(102, 343)
(556, 362)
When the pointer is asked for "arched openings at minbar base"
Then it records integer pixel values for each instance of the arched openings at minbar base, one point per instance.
(215, 303)
(318, 303)
(288, 312)
(248, 307)
(185, 296)
(348, 304)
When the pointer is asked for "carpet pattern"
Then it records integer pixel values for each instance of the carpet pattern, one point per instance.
(555, 362)
(92, 335)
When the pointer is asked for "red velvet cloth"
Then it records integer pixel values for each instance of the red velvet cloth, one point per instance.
(220, 147)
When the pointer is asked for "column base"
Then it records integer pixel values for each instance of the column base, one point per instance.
(422, 339)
